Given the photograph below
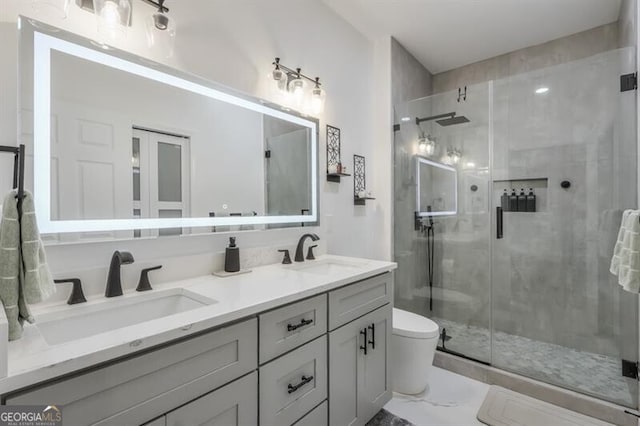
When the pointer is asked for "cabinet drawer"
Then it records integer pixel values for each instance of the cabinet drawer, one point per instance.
(235, 404)
(354, 300)
(318, 417)
(293, 384)
(143, 387)
(291, 326)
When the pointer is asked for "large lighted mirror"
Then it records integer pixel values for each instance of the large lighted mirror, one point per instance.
(437, 188)
(126, 148)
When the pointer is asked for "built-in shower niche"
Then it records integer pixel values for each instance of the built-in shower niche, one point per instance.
(530, 195)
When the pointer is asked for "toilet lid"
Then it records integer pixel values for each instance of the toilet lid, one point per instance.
(408, 324)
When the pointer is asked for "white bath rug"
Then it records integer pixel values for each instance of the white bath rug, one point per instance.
(503, 407)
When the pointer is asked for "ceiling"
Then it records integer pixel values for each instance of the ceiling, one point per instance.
(447, 34)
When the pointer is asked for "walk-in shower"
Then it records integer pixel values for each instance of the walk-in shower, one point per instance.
(539, 301)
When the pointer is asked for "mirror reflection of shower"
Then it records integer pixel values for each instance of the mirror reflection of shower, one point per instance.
(427, 143)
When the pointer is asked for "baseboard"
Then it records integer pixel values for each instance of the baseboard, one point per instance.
(565, 398)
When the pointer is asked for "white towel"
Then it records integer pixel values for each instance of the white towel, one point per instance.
(625, 262)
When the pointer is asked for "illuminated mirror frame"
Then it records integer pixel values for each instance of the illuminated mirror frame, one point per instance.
(419, 212)
(44, 42)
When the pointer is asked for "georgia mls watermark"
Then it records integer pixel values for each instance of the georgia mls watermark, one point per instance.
(30, 415)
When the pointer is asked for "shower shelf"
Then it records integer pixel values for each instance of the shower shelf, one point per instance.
(361, 201)
(335, 177)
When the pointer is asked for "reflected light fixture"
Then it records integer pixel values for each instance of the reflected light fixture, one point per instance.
(114, 16)
(454, 155)
(290, 87)
(542, 90)
(405, 119)
(426, 144)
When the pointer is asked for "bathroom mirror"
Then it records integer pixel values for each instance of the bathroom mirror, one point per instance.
(436, 189)
(130, 148)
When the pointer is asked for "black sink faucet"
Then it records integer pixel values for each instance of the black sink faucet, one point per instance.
(114, 282)
(299, 255)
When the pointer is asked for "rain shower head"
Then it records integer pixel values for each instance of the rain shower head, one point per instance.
(453, 120)
(448, 119)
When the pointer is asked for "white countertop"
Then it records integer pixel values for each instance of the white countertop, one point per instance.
(32, 360)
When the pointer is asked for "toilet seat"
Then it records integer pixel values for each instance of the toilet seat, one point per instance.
(408, 324)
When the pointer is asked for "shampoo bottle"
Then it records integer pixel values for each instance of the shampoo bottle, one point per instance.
(232, 257)
(513, 201)
(531, 201)
(504, 201)
(522, 201)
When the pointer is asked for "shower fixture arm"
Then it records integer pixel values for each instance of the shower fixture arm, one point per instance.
(435, 117)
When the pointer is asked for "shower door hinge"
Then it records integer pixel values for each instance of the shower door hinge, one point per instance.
(267, 153)
(629, 82)
(630, 369)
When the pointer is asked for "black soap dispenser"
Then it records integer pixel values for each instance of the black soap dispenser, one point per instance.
(504, 201)
(232, 257)
(531, 201)
(513, 201)
(522, 201)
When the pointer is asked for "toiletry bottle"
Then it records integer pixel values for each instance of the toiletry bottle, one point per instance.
(232, 257)
(513, 201)
(522, 201)
(504, 201)
(531, 201)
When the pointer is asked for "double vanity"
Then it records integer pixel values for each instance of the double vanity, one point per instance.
(303, 344)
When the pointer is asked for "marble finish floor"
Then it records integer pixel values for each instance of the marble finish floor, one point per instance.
(593, 374)
(450, 400)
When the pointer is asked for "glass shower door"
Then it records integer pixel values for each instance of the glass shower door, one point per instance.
(565, 135)
(444, 259)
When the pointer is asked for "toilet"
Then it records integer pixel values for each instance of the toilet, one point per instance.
(413, 344)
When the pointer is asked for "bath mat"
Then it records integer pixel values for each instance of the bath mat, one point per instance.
(503, 407)
(385, 418)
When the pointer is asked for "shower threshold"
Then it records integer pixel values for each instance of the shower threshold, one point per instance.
(585, 372)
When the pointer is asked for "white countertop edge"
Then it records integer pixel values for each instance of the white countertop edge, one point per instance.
(89, 352)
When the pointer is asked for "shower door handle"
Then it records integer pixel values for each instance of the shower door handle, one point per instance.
(499, 234)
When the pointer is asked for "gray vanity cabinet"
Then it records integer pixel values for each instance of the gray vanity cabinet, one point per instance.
(235, 404)
(359, 382)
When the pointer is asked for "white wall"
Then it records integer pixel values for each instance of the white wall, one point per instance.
(234, 42)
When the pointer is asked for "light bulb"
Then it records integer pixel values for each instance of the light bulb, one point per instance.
(317, 99)
(113, 18)
(161, 33)
(296, 87)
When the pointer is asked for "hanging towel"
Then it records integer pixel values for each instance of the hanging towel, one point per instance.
(24, 274)
(625, 262)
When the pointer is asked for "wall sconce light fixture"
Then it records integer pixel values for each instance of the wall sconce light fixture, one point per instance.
(290, 87)
(114, 18)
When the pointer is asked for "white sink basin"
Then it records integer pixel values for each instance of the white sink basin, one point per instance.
(327, 267)
(90, 319)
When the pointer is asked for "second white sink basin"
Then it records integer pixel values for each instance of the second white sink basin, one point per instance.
(327, 267)
(78, 322)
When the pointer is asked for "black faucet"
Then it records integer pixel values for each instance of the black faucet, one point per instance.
(114, 283)
(299, 255)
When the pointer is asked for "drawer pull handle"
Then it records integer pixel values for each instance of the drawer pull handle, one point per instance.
(302, 323)
(363, 332)
(292, 388)
(372, 327)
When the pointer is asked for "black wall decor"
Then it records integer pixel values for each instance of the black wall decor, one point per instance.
(359, 180)
(333, 154)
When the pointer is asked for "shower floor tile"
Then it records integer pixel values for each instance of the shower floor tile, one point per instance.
(593, 374)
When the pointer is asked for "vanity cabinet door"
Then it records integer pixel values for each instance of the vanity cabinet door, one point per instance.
(359, 383)
(354, 300)
(235, 404)
(376, 378)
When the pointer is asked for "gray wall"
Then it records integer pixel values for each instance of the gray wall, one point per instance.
(555, 52)
(409, 78)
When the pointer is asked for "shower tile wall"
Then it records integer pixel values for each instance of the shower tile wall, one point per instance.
(571, 48)
(409, 80)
